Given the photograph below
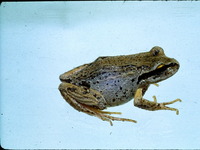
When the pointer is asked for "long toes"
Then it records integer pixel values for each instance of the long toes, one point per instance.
(171, 102)
(108, 112)
(119, 119)
(163, 107)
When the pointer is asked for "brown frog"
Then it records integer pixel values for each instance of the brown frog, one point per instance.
(115, 80)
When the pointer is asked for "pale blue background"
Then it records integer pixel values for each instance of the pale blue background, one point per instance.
(39, 41)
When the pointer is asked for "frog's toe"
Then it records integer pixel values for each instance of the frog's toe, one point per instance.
(111, 118)
(163, 107)
(171, 102)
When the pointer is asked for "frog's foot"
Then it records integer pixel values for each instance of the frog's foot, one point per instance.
(163, 105)
(88, 101)
(149, 105)
(111, 118)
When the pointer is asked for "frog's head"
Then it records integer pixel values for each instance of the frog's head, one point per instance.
(156, 66)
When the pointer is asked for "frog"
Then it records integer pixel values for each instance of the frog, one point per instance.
(111, 81)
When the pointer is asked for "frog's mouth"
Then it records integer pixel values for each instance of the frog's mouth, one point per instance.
(161, 72)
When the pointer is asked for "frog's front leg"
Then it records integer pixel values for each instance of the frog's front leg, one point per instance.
(88, 101)
(140, 102)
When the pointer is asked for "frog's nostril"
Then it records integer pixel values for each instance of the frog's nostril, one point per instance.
(173, 64)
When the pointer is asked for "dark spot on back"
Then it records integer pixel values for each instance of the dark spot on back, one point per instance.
(84, 83)
(98, 97)
(85, 92)
(68, 80)
(102, 57)
(71, 89)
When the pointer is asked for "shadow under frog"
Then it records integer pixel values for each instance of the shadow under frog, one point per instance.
(115, 80)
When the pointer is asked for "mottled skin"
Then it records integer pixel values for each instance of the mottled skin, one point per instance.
(115, 80)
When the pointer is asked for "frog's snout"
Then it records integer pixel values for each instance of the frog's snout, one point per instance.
(174, 63)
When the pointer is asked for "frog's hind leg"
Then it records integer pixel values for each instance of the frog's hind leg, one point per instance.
(140, 102)
(103, 115)
(88, 101)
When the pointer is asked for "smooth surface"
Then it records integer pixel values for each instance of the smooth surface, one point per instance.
(41, 40)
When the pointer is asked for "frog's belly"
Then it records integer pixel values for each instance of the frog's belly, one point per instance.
(116, 92)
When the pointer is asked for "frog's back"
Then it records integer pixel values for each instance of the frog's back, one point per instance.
(113, 76)
(117, 83)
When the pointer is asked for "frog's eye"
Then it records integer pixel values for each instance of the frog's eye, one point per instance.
(160, 66)
(156, 52)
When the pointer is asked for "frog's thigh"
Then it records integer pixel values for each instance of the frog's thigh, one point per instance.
(140, 102)
(82, 95)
